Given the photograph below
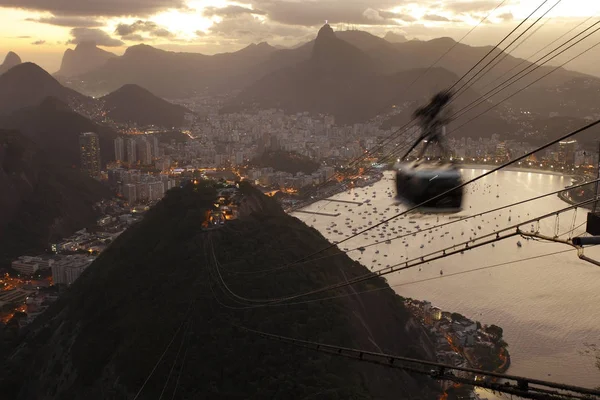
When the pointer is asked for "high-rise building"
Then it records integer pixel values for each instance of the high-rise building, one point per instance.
(156, 190)
(89, 148)
(155, 150)
(119, 149)
(130, 192)
(501, 152)
(144, 151)
(131, 151)
(69, 269)
(566, 152)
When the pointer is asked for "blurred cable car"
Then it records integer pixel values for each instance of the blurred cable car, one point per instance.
(423, 183)
(418, 183)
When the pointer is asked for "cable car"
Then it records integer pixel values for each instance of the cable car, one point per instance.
(416, 183)
(421, 182)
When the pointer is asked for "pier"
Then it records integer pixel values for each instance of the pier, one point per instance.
(360, 203)
(319, 213)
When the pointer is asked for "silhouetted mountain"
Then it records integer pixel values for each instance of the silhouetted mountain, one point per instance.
(342, 80)
(84, 58)
(394, 37)
(577, 97)
(421, 54)
(286, 161)
(41, 201)
(27, 85)
(56, 128)
(11, 60)
(170, 74)
(103, 336)
(132, 103)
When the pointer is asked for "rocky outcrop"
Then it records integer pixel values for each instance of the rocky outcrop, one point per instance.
(11, 60)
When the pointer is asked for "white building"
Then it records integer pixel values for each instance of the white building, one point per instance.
(130, 192)
(26, 265)
(156, 191)
(119, 149)
(67, 270)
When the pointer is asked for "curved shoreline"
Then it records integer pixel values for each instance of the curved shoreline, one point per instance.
(515, 169)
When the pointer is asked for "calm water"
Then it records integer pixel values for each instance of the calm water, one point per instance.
(548, 307)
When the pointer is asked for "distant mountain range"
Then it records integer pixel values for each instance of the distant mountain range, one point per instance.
(132, 103)
(41, 200)
(11, 60)
(84, 58)
(170, 74)
(343, 80)
(351, 74)
(27, 86)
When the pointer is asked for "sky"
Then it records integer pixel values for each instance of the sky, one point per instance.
(41, 30)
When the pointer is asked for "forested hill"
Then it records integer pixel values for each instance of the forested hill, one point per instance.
(286, 161)
(105, 335)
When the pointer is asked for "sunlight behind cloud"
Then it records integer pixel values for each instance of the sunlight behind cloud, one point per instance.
(183, 24)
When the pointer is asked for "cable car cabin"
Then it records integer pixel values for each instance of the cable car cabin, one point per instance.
(417, 183)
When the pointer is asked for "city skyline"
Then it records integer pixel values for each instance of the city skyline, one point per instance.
(41, 31)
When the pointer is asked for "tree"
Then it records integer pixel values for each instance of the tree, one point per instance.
(457, 317)
(495, 330)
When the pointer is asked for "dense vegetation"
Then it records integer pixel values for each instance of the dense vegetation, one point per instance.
(104, 336)
(286, 161)
(41, 202)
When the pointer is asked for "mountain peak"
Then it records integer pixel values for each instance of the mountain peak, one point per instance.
(84, 58)
(325, 32)
(395, 37)
(29, 70)
(86, 45)
(134, 103)
(142, 49)
(11, 60)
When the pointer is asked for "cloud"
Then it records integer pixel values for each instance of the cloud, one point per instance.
(100, 37)
(23, 37)
(434, 17)
(230, 11)
(471, 6)
(506, 16)
(96, 7)
(314, 13)
(393, 15)
(134, 37)
(129, 31)
(81, 22)
(373, 15)
(246, 29)
(38, 42)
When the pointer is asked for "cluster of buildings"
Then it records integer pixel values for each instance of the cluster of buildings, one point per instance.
(139, 187)
(137, 149)
(567, 154)
(459, 341)
(268, 177)
(65, 268)
(232, 139)
(69, 258)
